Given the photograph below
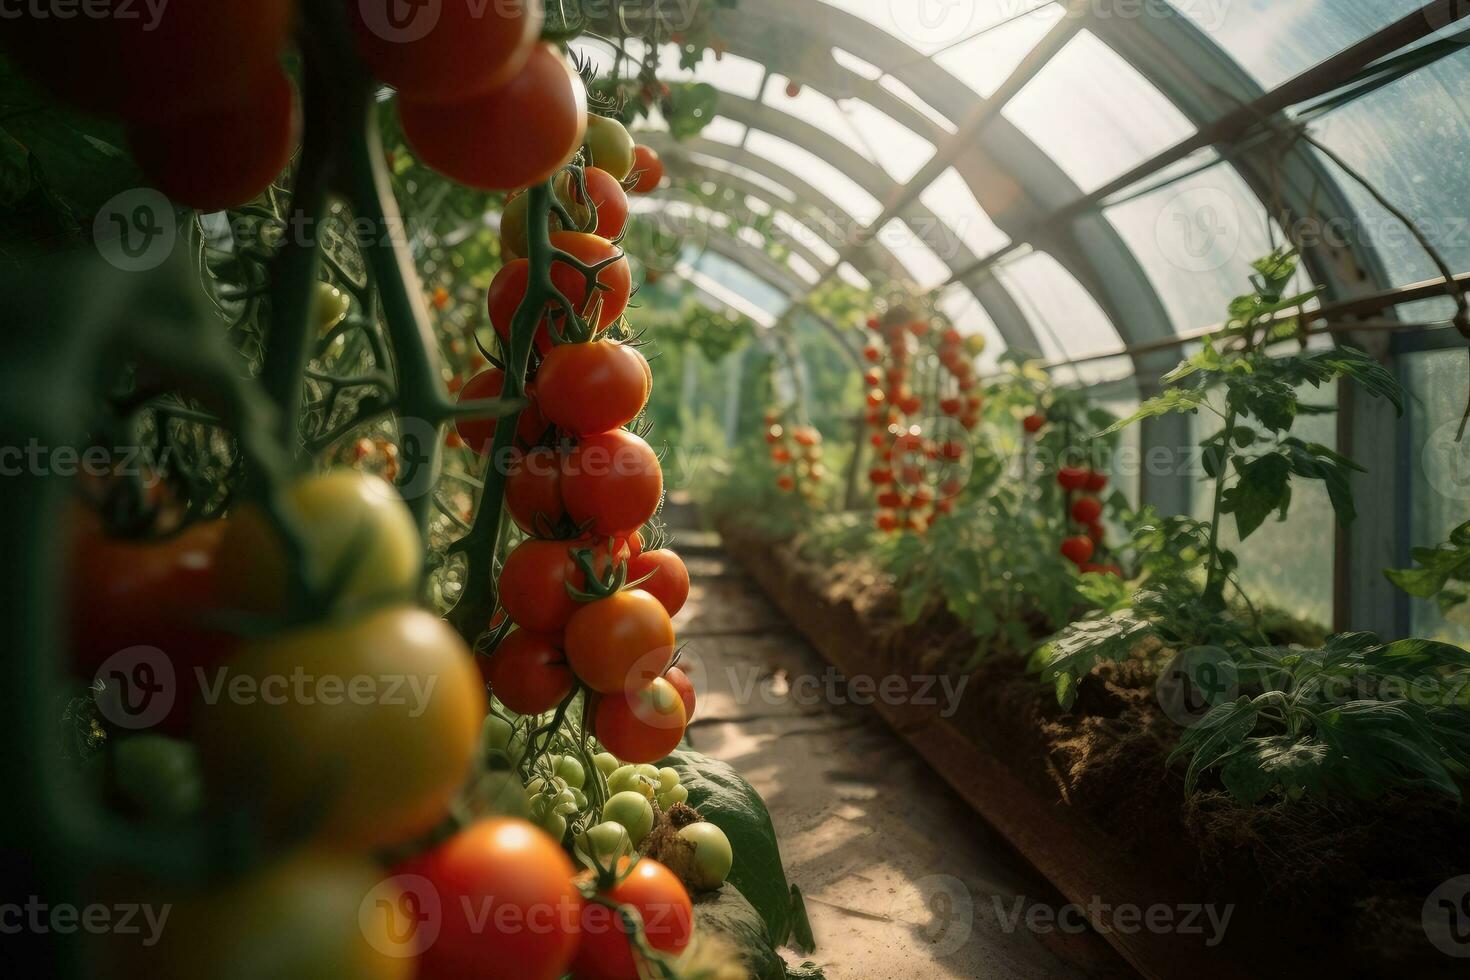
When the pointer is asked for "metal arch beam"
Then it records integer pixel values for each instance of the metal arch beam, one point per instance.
(1092, 251)
(923, 222)
(753, 190)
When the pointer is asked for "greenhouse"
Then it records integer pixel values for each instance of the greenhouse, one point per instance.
(678, 489)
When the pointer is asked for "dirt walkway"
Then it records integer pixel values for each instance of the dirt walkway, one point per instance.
(902, 879)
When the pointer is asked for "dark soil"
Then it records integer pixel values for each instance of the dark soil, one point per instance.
(1345, 880)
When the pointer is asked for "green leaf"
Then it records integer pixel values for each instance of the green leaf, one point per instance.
(801, 925)
(1371, 376)
(1215, 737)
(1171, 401)
(1293, 766)
(726, 800)
(15, 170)
(1264, 486)
(727, 913)
(692, 107)
(1067, 657)
(1438, 568)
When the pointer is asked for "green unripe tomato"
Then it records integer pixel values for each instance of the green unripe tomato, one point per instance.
(158, 776)
(712, 854)
(606, 763)
(499, 738)
(554, 824)
(668, 778)
(606, 842)
(632, 811)
(332, 306)
(609, 146)
(579, 799)
(570, 771)
(668, 798)
(626, 779)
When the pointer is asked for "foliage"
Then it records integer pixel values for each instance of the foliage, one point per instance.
(1442, 573)
(1357, 717)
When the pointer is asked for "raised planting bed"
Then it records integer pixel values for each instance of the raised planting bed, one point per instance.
(1086, 796)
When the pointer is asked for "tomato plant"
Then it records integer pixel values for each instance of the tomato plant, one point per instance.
(479, 433)
(648, 169)
(533, 491)
(667, 578)
(609, 147)
(533, 585)
(465, 51)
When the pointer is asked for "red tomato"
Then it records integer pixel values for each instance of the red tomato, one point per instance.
(533, 585)
(225, 157)
(184, 60)
(641, 725)
(533, 491)
(663, 906)
(887, 522)
(1096, 482)
(1077, 549)
(127, 593)
(613, 480)
(592, 387)
(676, 676)
(635, 544)
(616, 279)
(622, 641)
(1071, 477)
(460, 49)
(527, 673)
(610, 200)
(669, 583)
(1086, 510)
(785, 483)
(1033, 422)
(507, 903)
(647, 168)
(1096, 532)
(479, 433)
(513, 136)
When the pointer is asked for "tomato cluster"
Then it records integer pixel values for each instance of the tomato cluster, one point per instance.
(796, 452)
(921, 375)
(1085, 510)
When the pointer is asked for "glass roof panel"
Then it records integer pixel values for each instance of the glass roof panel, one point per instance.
(899, 150)
(805, 234)
(804, 269)
(985, 61)
(908, 97)
(818, 172)
(721, 165)
(1196, 239)
(852, 277)
(932, 27)
(951, 199)
(1277, 39)
(813, 107)
(1411, 139)
(739, 280)
(926, 268)
(723, 129)
(1094, 114)
(1066, 319)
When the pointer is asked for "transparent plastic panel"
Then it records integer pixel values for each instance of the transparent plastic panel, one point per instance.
(986, 60)
(1094, 114)
(950, 198)
(722, 129)
(908, 97)
(1196, 239)
(873, 135)
(1066, 319)
(817, 172)
(852, 277)
(721, 165)
(1284, 565)
(924, 267)
(813, 238)
(1277, 39)
(739, 280)
(803, 269)
(930, 27)
(1440, 471)
(1412, 141)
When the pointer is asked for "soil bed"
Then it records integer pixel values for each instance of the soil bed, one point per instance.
(1085, 795)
